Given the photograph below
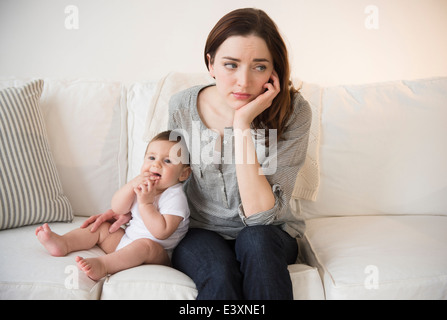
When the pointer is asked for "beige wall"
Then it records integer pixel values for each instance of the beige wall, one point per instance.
(330, 41)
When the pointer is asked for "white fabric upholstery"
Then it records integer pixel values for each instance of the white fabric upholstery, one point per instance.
(306, 282)
(86, 123)
(87, 128)
(139, 97)
(383, 150)
(28, 271)
(380, 257)
(149, 282)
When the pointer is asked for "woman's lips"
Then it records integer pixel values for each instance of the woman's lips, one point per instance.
(241, 96)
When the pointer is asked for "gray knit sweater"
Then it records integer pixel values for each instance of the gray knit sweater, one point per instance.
(212, 189)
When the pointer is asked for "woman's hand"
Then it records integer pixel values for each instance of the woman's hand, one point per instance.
(245, 115)
(117, 220)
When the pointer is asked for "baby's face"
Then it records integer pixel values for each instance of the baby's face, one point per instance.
(163, 165)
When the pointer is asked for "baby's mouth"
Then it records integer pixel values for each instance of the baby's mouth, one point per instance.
(156, 175)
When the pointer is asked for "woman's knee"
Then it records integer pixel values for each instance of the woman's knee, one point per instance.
(266, 240)
(210, 262)
(254, 238)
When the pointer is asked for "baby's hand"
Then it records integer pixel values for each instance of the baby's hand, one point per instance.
(140, 179)
(146, 192)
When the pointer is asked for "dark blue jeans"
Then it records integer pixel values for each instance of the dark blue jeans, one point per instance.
(254, 266)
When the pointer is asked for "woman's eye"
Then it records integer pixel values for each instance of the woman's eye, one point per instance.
(261, 68)
(229, 65)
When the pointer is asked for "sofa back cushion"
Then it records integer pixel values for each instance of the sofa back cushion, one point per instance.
(383, 150)
(87, 129)
(86, 126)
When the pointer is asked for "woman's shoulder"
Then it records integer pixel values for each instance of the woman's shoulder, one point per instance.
(301, 111)
(186, 97)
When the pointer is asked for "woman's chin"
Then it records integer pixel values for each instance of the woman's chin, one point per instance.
(236, 105)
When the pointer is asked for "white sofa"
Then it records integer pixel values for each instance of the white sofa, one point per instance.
(376, 214)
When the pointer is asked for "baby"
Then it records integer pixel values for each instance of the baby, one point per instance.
(160, 216)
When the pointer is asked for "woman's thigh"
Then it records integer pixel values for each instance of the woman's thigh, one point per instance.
(264, 253)
(209, 260)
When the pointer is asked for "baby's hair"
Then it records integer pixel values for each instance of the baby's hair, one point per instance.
(172, 136)
(162, 136)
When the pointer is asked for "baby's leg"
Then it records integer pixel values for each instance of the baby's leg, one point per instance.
(141, 251)
(77, 239)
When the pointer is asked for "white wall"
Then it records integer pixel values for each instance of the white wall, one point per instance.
(138, 40)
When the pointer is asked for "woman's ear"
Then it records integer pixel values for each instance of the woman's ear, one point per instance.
(210, 65)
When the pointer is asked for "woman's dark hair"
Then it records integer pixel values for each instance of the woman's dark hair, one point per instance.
(249, 21)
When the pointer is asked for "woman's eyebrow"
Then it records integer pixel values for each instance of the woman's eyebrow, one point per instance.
(238, 60)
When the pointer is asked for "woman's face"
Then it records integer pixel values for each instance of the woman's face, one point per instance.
(241, 67)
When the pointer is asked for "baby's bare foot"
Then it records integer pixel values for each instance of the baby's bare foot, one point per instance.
(51, 241)
(92, 267)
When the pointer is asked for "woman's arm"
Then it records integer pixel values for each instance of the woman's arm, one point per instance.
(97, 220)
(255, 190)
(284, 163)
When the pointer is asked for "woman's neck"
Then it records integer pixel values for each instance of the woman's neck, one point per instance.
(213, 110)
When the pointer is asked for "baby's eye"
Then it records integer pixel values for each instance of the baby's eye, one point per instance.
(167, 161)
(152, 158)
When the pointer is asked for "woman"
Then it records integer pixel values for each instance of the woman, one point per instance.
(242, 234)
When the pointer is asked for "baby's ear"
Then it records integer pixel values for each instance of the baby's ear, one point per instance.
(185, 173)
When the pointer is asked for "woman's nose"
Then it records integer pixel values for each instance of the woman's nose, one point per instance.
(243, 78)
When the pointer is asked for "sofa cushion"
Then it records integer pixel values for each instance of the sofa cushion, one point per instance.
(86, 122)
(87, 128)
(383, 150)
(163, 283)
(379, 257)
(30, 188)
(149, 282)
(306, 282)
(28, 271)
(139, 98)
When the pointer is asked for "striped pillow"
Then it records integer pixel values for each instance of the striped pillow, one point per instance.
(30, 189)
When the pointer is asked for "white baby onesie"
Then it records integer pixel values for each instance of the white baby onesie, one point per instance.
(172, 201)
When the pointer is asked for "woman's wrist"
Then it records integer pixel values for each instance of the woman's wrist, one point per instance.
(241, 124)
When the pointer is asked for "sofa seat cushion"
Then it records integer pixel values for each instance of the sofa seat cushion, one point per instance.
(306, 282)
(28, 271)
(380, 257)
(156, 282)
(149, 282)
